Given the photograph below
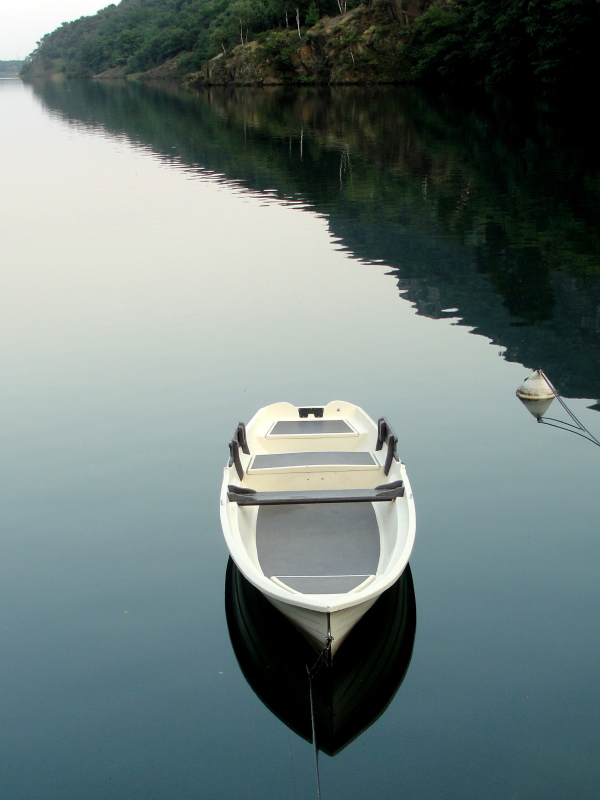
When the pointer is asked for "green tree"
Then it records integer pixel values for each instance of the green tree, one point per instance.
(313, 15)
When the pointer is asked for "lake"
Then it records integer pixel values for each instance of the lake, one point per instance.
(171, 262)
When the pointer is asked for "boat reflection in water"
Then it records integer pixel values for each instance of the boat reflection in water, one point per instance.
(348, 696)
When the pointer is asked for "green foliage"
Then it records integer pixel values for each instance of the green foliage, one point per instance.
(547, 42)
(279, 47)
(11, 67)
(436, 47)
(486, 42)
(313, 15)
(137, 35)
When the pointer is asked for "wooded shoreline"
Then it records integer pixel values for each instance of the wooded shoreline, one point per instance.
(469, 43)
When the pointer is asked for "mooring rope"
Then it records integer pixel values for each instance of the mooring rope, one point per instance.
(323, 658)
(577, 428)
(314, 736)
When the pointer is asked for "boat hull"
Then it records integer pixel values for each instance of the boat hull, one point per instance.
(317, 626)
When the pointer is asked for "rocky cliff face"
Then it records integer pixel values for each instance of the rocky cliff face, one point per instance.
(363, 45)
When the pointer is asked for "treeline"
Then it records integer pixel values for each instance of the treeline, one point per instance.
(10, 67)
(545, 42)
(138, 35)
(548, 43)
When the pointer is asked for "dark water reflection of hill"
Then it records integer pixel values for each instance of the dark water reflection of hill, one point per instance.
(491, 210)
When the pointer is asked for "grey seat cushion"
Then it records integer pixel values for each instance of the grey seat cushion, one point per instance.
(320, 458)
(300, 427)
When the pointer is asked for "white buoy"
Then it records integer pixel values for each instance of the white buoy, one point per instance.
(537, 408)
(536, 387)
(536, 393)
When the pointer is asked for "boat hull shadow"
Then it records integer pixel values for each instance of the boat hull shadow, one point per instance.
(348, 696)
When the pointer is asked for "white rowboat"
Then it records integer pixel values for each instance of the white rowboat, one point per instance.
(318, 513)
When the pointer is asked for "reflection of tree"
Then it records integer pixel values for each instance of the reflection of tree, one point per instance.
(491, 210)
(520, 276)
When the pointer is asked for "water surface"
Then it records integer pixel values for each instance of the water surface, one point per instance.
(173, 262)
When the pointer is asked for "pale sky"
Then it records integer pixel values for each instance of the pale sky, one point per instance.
(23, 22)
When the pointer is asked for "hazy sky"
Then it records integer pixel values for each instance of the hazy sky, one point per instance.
(23, 22)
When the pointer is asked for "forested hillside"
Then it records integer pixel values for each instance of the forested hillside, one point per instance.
(10, 67)
(546, 43)
(137, 35)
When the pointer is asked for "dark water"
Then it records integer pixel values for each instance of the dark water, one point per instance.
(171, 263)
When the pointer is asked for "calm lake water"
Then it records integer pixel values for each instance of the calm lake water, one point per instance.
(172, 262)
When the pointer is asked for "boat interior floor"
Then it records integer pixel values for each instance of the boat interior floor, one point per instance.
(328, 548)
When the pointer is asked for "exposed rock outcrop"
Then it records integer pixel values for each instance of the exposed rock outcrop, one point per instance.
(361, 46)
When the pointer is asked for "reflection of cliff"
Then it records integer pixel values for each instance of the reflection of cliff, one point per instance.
(486, 210)
(433, 275)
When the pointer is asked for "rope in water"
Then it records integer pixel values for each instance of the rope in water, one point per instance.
(577, 427)
(312, 673)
